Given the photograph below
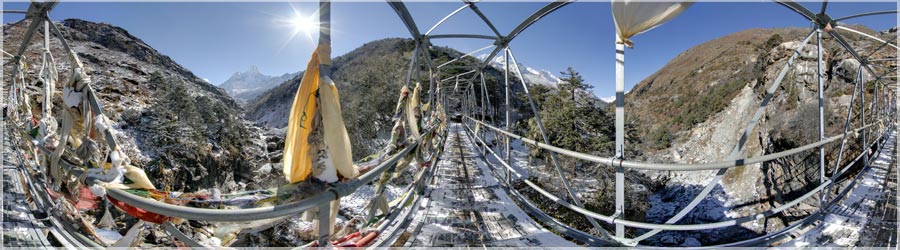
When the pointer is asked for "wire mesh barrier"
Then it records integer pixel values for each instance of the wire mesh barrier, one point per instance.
(48, 144)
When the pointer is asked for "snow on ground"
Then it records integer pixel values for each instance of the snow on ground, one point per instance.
(844, 223)
(520, 161)
(357, 201)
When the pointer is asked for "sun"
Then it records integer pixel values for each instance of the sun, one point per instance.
(305, 24)
(298, 23)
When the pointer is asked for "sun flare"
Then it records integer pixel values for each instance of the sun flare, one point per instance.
(298, 23)
(304, 24)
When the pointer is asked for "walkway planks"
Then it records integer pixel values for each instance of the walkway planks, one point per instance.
(20, 228)
(867, 217)
(465, 206)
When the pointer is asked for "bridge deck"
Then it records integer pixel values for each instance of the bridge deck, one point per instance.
(868, 215)
(20, 228)
(465, 206)
(881, 229)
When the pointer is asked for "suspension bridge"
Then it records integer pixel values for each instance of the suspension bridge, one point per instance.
(467, 190)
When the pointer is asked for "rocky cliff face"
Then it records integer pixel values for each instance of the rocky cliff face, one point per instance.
(173, 122)
(714, 89)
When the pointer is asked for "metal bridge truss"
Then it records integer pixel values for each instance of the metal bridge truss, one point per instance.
(463, 88)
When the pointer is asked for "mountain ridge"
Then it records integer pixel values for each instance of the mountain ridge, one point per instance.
(531, 75)
(246, 85)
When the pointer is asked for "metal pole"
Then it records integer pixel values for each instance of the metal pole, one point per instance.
(490, 107)
(882, 101)
(45, 106)
(465, 103)
(418, 53)
(483, 18)
(508, 127)
(856, 83)
(874, 104)
(475, 106)
(483, 113)
(324, 224)
(620, 136)
(431, 87)
(862, 109)
(506, 84)
(325, 37)
(412, 64)
(445, 18)
(324, 72)
(4, 108)
(486, 94)
(821, 117)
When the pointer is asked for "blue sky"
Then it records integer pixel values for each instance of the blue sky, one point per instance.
(215, 40)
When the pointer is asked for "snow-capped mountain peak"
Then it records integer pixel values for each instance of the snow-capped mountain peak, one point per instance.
(531, 75)
(608, 99)
(246, 85)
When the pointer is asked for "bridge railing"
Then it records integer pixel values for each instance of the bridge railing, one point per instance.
(881, 118)
(878, 143)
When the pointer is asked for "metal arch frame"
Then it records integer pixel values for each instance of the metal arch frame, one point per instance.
(865, 14)
(464, 56)
(504, 41)
(471, 36)
(446, 17)
(36, 12)
(500, 42)
(883, 42)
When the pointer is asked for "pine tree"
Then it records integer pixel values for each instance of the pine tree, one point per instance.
(572, 123)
